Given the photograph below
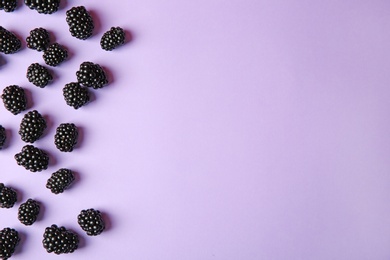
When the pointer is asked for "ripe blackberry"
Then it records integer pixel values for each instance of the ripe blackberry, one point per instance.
(38, 75)
(9, 43)
(8, 197)
(39, 39)
(80, 22)
(112, 39)
(28, 212)
(60, 180)
(8, 5)
(14, 99)
(59, 240)
(43, 6)
(66, 137)
(3, 136)
(32, 126)
(91, 75)
(75, 95)
(55, 54)
(9, 239)
(91, 221)
(32, 158)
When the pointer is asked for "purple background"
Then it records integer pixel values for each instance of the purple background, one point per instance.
(230, 130)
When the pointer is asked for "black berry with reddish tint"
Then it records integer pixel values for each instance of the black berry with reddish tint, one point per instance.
(8, 5)
(9, 43)
(32, 126)
(43, 6)
(80, 22)
(28, 212)
(112, 39)
(60, 180)
(32, 159)
(9, 239)
(38, 75)
(66, 137)
(3, 136)
(8, 196)
(14, 99)
(38, 39)
(91, 75)
(55, 54)
(91, 221)
(75, 95)
(59, 240)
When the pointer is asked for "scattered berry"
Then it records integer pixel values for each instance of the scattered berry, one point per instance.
(112, 39)
(80, 22)
(9, 43)
(28, 212)
(8, 5)
(32, 126)
(75, 95)
(66, 137)
(32, 158)
(91, 221)
(43, 6)
(91, 75)
(55, 54)
(38, 40)
(3, 136)
(59, 240)
(38, 75)
(14, 99)
(9, 239)
(60, 180)
(8, 197)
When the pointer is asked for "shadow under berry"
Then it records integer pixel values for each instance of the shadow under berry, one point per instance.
(29, 99)
(107, 221)
(63, 4)
(42, 210)
(3, 61)
(9, 136)
(19, 247)
(96, 22)
(80, 136)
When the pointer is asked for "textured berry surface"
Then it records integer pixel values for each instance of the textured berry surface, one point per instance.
(8, 5)
(32, 126)
(60, 181)
(28, 212)
(112, 39)
(38, 75)
(55, 54)
(75, 95)
(43, 6)
(8, 196)
(32, 158)
(59, 240)
(9, 43)
(38, 39)
(91, 221)
(3, 136)
(9, 239)
(80, 22)
(91, 75)
(66, 137)
(14, 99)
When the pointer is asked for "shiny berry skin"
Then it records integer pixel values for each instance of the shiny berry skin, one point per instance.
(8, 5)
(38, 39)
(32, 126)
(66, 137)
(28, 212)
(32, 158)
(60, 181)
(59, 240)
(9, 43)
(43, 6)
(112, 39)
(38, 75)
(91, 75)
(3, 136)
(91, 221)
(55, 54)
(14, 99)
(75, 95)
(80, 22)
(8, 197)
(9, 239)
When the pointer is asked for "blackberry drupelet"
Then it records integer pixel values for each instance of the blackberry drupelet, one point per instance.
(66, 137)
(9, 239)
(39, 39)
(38, 75)
(91, 221)
(75, 95)
(59, 240)
(32, 158)
(28, 212)
(14, 99)
(91, 75)
(8, 5)
(55, 54)
(60, 180)
(3, 136)
(43, 6)
(80, 22)
(112, 39)
(9, 43)
(32, 126)
(8, 197)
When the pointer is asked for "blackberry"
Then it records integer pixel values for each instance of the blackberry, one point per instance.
(66, 137)
(91, 75)
(112, 39)
(32, 158)
(39, 39)
(60, 180)
(59, 240)
(38, 75)
(43, 6)
(55, 54)
(8, 197)
(9, 43)
(28, 212)
(80, 22)
(3, 136)
(32, 126)
(75, 95)
(14, 99)
(9, 239)
(8, 5)
(91, 221)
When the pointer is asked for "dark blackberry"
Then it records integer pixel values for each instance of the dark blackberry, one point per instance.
(32, 158)
(28, 212)
(80, 22)
(59, 240)
(9, 43)
(55, 54)
(112, 39)
(32, 126)
(91, 221)
(3, 136)
(8, 197)
(38, 75)
(66, 137)
(60, 180)
(75, 95)
(8, 5)
(91, 75)
(38, 40)
(9, 239)
(43, 6)
(14, 99)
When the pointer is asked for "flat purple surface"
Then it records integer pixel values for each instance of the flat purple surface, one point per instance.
(230, 130)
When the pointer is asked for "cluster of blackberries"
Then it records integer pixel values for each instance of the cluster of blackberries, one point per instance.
(9, 239)
(43, 6)
(38, 75)
(9, 43)
(14, 99)
(8, 5)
